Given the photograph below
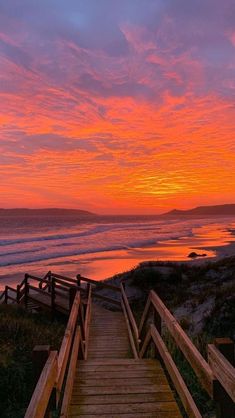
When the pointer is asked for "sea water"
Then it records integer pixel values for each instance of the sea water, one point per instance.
(102, 246)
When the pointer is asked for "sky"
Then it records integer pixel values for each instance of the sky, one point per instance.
(113, 106)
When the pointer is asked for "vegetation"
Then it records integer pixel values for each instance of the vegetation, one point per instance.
(20, 331)
(202, 296)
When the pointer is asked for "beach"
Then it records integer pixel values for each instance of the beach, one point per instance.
(105, 246)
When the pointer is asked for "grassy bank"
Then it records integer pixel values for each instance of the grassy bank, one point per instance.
(20, 332)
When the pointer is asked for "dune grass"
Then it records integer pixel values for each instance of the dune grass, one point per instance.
(20, 331)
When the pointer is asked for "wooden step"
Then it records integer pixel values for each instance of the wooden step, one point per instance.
(109, 384)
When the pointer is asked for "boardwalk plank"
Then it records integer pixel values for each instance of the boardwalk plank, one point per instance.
(111, 383)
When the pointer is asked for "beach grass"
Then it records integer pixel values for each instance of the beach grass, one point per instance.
(20, 332)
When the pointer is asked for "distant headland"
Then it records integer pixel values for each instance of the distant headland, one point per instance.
(45, 212)
(201, 211)
(216, 210)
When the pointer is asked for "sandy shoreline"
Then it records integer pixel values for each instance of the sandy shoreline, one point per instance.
(221, 251)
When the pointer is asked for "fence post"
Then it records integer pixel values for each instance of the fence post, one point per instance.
(26, 290)
(53, 295)
(225, 406)
(40, 356)
(79, 280)
(49, 279)
(6, 295)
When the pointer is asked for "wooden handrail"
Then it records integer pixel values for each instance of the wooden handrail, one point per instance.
(194, 357)
(133, 346)
(87, 320)
(71, 374)
(130, 318)
(2, 295)
(64, 278)
(99, 283)
(182, 390)
(38, 279)
(55, 369)
(67, 341)
(42, 393)
(12, 289)
(36, 289)
(222, 369)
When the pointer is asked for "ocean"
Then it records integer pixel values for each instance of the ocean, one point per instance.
(103, 246)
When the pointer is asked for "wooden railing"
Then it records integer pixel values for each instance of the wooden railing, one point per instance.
(59, 369)
(132, 327)
(208, 374)
(100, 285)
(52, 285)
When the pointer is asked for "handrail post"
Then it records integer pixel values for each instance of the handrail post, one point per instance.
(6, 295)
(79, 280)
(49, 277)
(26, 290)
(225, 406)
(53, 295)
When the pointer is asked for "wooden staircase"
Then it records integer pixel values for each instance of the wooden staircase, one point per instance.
(110, 383)
(101, 369)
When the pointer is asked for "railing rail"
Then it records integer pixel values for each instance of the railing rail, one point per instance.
(218, 369)
(67, 341)
(59, 370)
(97, 283)
(42, 393)
(87, 321)
(132, 327)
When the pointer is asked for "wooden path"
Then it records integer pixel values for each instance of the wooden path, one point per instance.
(110, 383)
(101, 369)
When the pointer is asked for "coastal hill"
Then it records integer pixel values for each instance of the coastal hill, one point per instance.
(217, 210)
(46, 212)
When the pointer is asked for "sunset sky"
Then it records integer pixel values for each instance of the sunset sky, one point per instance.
(117, 106)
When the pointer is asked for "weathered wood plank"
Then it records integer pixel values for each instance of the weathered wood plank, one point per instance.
(182, 390)
(133, 347)
(99, 283)
(222, 369)
(117, 382)
(87, 322)
(119, 390)
(159, 414)
(124, 408)
(198, 363)
(66, 342)
(71, 375)
(117, 374)
(130, 317)
(122, 399)
(123, 361)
